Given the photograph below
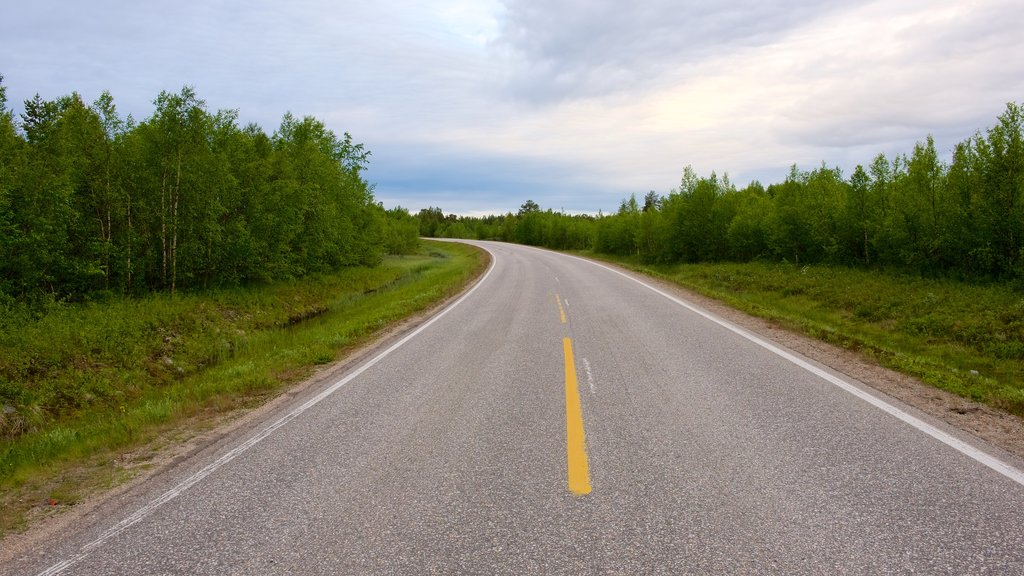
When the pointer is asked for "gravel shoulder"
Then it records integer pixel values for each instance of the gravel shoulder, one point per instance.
(1000, 429)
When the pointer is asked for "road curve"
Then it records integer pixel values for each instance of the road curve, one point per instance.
(562, 418)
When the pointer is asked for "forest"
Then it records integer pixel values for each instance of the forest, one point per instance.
(962, 218)
(93, 204)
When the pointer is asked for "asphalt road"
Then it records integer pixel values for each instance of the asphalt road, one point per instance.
(703, 451)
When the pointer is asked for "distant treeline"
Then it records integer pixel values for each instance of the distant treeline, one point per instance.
(964, 218)
(91, 202)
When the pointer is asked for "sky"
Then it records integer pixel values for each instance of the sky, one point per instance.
(477, 106)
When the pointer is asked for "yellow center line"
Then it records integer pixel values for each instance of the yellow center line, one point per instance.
(575, 439)
(561, 309)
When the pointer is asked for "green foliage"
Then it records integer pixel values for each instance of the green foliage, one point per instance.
(748, 232)
(91, 202)
(961, 220)
(431, 222)
(401, 231)
(531, 226)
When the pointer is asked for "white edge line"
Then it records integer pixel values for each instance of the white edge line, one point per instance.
(944, 437)
(173, 493)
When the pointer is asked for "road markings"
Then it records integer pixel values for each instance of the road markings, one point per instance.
(575, 439)
(948, 439)
(561, 309)
(173, 493)
(590, 375)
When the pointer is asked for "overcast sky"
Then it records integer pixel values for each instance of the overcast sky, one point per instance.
(477, 106)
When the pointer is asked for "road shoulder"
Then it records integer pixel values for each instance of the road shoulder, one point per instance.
(181, 446)
(1001, 430)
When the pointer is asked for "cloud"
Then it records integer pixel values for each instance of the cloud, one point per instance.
(471, 182)
(886, 77)
(479, 105)
(833, 83)
(580, 48)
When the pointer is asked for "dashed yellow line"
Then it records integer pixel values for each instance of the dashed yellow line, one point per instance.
(575, 439)
(561, 309)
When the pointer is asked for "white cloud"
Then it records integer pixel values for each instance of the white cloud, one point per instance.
(572, 103)
(839, 87)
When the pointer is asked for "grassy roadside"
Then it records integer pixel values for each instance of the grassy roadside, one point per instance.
(964, 338)
(81, 385)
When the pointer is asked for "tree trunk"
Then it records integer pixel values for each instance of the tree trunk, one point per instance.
(130, 233)
(163, 227)
(174, 228)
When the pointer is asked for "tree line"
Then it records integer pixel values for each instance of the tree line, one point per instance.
(962, 218)
(91, 202)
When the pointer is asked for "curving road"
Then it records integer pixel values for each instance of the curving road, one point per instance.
(563, 418)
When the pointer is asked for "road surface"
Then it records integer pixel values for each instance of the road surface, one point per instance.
(563, 418)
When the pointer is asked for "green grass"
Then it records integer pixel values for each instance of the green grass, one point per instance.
(964, 338)
(82, 384)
